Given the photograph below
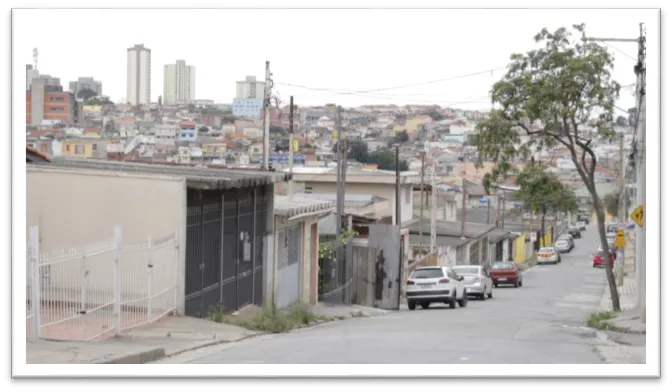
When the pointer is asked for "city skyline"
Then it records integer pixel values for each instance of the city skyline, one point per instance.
(367, 76)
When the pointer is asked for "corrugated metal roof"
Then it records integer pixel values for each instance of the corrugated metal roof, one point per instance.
(300, 206)
(205, 178)
(450, 228)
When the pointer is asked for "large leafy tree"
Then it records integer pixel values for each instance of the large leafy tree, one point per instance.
(554, 96)
(86, 94)
(542, 193)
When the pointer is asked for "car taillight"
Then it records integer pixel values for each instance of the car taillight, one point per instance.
(410, 282)
(477, 279)
(444, 280)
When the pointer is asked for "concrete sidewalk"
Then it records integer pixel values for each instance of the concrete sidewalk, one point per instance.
(170, 336)
(628, 321)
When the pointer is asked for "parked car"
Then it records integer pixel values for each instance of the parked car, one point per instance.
(563, 246)
(506, 272)
(548, 255)
(581, 225)
(428, 285)
(612, 228)
(598, 258)
(575, 231)
(568, 238)
(584, 218)
(477, 280)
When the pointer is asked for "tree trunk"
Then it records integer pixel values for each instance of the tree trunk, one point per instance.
(608, 267)
(543, 228)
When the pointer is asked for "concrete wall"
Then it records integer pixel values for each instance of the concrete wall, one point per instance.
(76, 208)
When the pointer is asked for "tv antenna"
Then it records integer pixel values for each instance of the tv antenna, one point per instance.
(35, 53)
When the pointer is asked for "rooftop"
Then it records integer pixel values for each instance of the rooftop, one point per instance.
(209, 177)
(300, 206)
(450, 228)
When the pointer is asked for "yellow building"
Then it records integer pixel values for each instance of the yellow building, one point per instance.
(83, 148)
(218, 147)
(412, 124)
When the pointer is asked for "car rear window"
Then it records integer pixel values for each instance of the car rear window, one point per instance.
(561, 243)
(500, 266)
(427, 273)
(466, 270)
(546, 250)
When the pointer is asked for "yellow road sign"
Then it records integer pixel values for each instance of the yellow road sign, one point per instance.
(296, 145)
(638, 215)
(620, 239)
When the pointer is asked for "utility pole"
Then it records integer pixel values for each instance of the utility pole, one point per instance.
(422, 196)
(639, 152)
(620, 272)
(503, 194)
(397, 190)
(340, 203)
(640, 164)
(487, 220)
(433, 213)
(267, 114)
(290, 191)
(465, 195)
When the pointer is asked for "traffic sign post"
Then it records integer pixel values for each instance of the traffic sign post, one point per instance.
(638, 215)
(620, 239)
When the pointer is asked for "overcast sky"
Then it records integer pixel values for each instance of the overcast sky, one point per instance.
(338, 50)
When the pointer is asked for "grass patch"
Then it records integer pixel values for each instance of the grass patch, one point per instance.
(270, 319)
(600, 320)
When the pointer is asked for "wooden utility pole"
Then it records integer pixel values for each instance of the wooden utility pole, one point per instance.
(422, 196)
(340, 168)
(397, 190)
(267, 114)
(290, 191)
(465, 195)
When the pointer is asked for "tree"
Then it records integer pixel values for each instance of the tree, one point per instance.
(86, 94)
(203, 130)
(543, 193)
(278, 130)
(622, 121)
(436, 115)
(612, 202)
(401, 137)
(548, 94)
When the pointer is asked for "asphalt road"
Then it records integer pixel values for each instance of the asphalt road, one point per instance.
(542, 322)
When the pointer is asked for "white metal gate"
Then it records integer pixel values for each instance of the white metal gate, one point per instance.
(290, 262)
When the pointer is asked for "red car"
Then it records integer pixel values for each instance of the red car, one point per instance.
(506, 272)
(598, 259)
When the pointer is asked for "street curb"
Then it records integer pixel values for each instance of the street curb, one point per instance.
(616, 328)
(199, 346)
(141, 357)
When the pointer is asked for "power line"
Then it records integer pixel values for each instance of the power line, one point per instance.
(619, 50)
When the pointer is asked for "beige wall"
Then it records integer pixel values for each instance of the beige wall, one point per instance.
(75, 208)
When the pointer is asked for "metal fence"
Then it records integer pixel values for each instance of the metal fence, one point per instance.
(99, 290)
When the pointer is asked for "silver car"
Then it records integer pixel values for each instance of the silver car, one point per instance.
(563, 246)
(477, 280)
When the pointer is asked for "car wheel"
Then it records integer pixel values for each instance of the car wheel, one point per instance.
(495, 285)
(463, 302)
(411, 305)
(520, 284)
(453, 301)
(517, 284)
(425, 305)
(490, 294)
(483, 296)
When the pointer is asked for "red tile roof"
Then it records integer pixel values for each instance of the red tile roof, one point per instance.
(33, 155)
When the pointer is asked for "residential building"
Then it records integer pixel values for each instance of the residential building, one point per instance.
(187, 131)
(86, 83)
(247, 107)
(51, 83)
(380, 183)
(30, 75)
(138, 75)
(250, 88)
(84, 148)
(43, 105)
(166, 133)
(179, 83)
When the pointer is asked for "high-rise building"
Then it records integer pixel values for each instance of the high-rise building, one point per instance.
(43, 104)
(250, 88)
(179, 83)
(138, 75)
(86, 83)
(30, 75)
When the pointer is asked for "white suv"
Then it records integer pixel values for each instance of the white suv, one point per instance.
(428, 285)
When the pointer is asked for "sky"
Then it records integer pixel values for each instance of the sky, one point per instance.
(347, 57)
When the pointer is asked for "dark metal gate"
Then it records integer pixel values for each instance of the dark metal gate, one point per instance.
(224, 266)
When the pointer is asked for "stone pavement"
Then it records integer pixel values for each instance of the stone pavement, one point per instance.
(170, 336)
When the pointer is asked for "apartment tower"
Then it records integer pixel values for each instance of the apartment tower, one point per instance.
(138, 75)
(179, 83)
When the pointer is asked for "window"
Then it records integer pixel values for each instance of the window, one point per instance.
(56, 109)
(79, 149)
(308, 190)
(67, 147)
(58, 99)
(407, 193)
(95, 147)
(427, 273)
